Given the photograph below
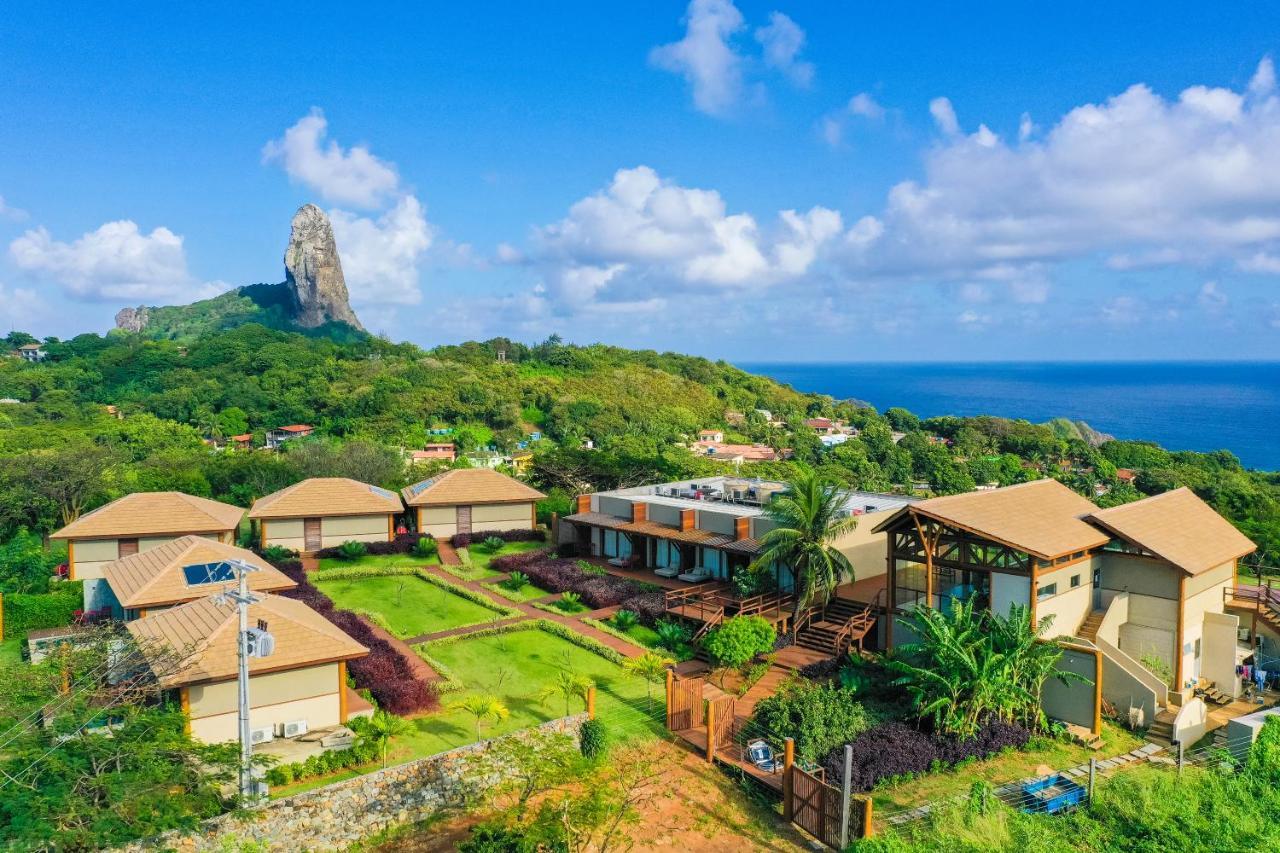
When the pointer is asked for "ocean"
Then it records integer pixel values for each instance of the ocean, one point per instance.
(1181, 405)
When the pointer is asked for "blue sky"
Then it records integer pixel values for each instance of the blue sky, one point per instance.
(781, 181)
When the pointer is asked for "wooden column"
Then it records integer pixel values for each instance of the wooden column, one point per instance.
(262, 533)
(71, 560)
(1097, 692)
(867, 829)
(1182, 615)
(711, 731)
(788, 759)
(591, 702)
(184, 697)
(671, 678)
(342, 691)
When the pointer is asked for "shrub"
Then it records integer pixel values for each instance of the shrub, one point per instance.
(895, 749)
(403, 543)
(510, 562)
(625, 620)
(672, 635)
(592, 738)
(820, 717)
(278, 553)
(558, 575)
(590, 568)
(516, 581)
(352, 550)
(493, 544)
(25, 612)
(425, 547)
(649, 606)
(462, 540)
(571, 602)
(740, 639)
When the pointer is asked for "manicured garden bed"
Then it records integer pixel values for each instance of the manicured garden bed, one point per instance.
(378, 561)
(479, 568)
(11, 651)
(406, 604)
(528, 592)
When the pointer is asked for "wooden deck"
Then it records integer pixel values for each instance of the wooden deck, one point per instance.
(732, 757)
(862, 591)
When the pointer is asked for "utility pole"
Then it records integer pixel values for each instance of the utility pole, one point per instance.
(243, 598)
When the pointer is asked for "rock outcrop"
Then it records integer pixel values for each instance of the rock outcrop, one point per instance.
(313, 272)
(133, 319)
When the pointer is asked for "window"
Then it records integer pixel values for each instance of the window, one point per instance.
(1047, 590)
(1075, 581)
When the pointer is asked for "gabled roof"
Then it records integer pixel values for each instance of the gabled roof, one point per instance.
(153, 513)
(295, 428)
(469, 486)
(1179, 527)
(155, 576)
(325, 496)
(1042, 517)
(201, 634)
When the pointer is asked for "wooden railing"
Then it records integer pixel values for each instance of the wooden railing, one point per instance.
(762, 602)
(1264, 597)
(711, 620)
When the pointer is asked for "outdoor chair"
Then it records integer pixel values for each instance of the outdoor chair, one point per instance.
(667, 571)
(698, 575)
(762, 756)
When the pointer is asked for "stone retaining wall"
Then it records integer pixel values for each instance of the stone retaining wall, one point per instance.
(336, 816)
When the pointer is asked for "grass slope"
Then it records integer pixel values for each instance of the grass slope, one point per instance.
(410, 605)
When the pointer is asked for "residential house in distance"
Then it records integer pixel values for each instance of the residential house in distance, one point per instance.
(113, 411)
(739, 453)
(713, 436)
(521, 461)
(183, 570)
(324, 512)
(485, 459)
(710, 528)
(464, 500)
(1146, 580)
(735, 418)
(823, 426)
(443, 450)
(31, 352)
(830, 440)
(1126, 475)
(301, 686)
(241, 442)
(137, 523)
(280, 435)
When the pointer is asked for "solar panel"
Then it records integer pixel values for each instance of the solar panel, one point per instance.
(206, 573)
(383, 492)
(418, 488)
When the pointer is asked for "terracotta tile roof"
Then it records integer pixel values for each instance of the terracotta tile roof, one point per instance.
(469, 486)
(203, 634)
(326, 496)
(155, 576)
(1042, 517)
(1179, 527)
(153, 513)
(295, 428)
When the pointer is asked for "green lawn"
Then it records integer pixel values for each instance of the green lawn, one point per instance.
(379, 561)
(409, 604)
(641, 634)
(516, 666)
(528, 592)
(11, 651)
(1010, 767)
(479, 569)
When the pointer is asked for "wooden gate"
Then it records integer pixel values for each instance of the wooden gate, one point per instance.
(684, 704)
(312, 541)
(815, 808)
(722, 720)
(126, 547)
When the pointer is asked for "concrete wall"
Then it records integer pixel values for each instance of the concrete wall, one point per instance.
(717, 522)
(1073, 702)
(309, 693)
(866, 550)
(1191, 722)
(661, 514)
(285, 532)
(92, 554)
(1069, 606)
(337, 816)
(1008, 590)
(438, 521)
(518, 516)
(1219, 662)
(1204, 596)
(1126, 684)
(336, 529)
(610, 505)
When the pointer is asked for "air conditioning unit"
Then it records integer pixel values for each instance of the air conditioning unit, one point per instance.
(294, 728)
(261, 643)
(263, 734)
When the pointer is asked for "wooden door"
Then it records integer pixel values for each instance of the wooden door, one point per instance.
(312, 540)
(127, 547)
(464, 519)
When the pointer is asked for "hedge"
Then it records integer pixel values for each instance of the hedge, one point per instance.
(462, 540)
(562, 631)
(402, 544)
(513, 562)
(606, 628)
(597, 591)
(28, 611)
(897, 749)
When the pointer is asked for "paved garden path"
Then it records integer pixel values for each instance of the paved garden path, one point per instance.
(448, 556)
(528, 612)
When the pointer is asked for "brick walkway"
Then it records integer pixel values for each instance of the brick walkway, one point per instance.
(448, 556)
(421, 669)
(528, 613)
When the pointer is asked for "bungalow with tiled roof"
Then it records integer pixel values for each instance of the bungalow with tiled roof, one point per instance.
(464, 500)
(324, 512)
(180, 571)
(279, 435)
(302, 684)
(136, 523)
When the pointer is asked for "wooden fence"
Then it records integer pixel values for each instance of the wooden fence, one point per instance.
(820, 809)
(684, 703)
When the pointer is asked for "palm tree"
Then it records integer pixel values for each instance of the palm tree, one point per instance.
(570, 686)
(483, 708)
(650, 666)
(807, 523)
(382, 728)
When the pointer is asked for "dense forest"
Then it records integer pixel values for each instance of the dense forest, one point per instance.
(63, 451)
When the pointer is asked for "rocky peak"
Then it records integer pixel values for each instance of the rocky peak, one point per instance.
(313, 272)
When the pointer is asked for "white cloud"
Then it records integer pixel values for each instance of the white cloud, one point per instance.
(380, 256)
(8, 211)
(782, 40)
(1123, 311)
(1211, 298)
(1263, 82)
(944, 116)
(21, 308)
(644, 231)
(862, 104)
(508, 254)
(1139, 177)
(354, 176)
(117, 261)
(1261, 262)
(705, 57)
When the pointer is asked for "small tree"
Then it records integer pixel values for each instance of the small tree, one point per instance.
(740, 639)
(382, 728)
(569, 686)
(650, 666)
(483, 709)
(425, 547)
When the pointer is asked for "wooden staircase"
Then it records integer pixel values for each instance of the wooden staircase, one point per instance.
(1162, 727)
(1089, 630)
(836, 628)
